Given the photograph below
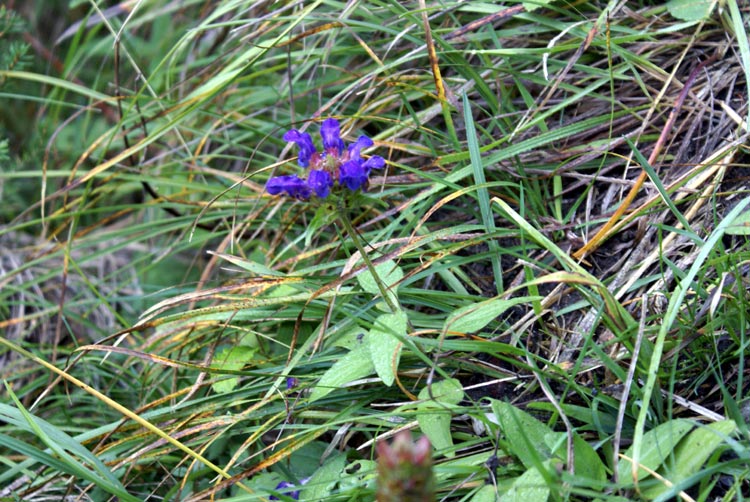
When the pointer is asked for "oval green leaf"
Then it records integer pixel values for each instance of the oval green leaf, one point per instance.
(353, 366)
(691, 453)
(385, 345)
(658, 444)
(472, 318)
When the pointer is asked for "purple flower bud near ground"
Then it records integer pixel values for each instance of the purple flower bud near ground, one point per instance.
(405, 470)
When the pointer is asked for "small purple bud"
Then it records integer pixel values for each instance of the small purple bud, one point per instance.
(291, 383)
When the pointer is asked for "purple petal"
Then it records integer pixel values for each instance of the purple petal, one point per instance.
(352, 174)
(354, 148)
(281, 486)
(291, 184)
(305, 144)
(291, 383)
(330, 131)
(374, 162)
(320, 182)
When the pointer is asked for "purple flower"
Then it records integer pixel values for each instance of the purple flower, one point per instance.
(352, 175)
(320, 181)
(305, 144)
(281, 486)
(291, 184)
(330, 131)
(357, 146)
(286, 484)
(336, 164)
(374, 162)
(291, 383)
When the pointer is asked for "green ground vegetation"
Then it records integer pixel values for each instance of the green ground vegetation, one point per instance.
(548, 279)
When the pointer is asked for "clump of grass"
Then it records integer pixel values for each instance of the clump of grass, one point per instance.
(548, 278)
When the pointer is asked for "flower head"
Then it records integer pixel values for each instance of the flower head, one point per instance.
(405, 470)
(336, 164)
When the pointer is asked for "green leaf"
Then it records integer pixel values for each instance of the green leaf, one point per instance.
(658, 444)
(691, 10)
(437, 427)
(529, 486)
(525, 434)
(740, 225)
(531, 6)
(324, 481)
(388, 272)
(232, 359)
(353, 366)
(587, 462)
(487, 493)
(435, 413)
(691, 453)
(449, 391)
(67, 450)
(472, 318)
(251, 266)
(385, 345)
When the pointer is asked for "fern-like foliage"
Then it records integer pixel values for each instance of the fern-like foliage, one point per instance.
(14, 52)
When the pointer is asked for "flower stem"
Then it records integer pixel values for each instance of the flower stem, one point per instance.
(358, 244)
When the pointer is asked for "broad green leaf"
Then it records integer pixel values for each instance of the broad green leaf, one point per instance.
(740, 225)
(524, 434)
(388, 273)
(435, 413)
(232, 359)
(449, 391)
(385, 345)
(472, 318)
(360, 472)
(353, 366)
(691, 10)
(535, 4)
(436, 425)
(658, 444)
(488, 493)
(323, 482)
(350, 338)
(691, 453)
(587, 462)
(529, 486)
